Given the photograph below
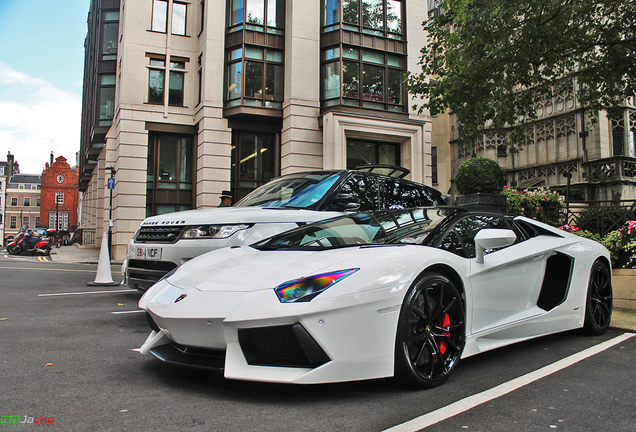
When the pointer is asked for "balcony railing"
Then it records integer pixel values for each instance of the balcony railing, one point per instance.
(614, 168)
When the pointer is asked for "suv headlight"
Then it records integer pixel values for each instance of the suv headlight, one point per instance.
(212, 231)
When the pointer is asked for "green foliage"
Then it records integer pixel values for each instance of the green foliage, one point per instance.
(494, 60)
(542, 204)
(622, 245)
(479, 174)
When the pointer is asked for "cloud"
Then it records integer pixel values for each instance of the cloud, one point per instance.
(35, 119)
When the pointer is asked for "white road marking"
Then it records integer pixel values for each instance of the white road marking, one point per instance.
(128, 312)
(87, 292)
(472, 401)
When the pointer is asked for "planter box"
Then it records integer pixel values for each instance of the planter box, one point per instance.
(483, 201)
(624, 286)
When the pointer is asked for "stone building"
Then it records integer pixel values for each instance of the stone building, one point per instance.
(597, 149)
(183, 100)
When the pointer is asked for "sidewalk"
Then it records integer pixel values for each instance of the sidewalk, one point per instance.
(623, 318)
(75, 254)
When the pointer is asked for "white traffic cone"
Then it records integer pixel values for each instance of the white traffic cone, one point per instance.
(104, 276)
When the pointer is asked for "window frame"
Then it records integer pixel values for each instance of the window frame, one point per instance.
(170, 191)
(160, 66)
(161, 26)
(241, 22)
(238, 61)
(342, 56)
(185, 19)
(359, 26)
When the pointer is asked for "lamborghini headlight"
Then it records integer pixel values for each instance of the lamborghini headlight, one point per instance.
(212, 231)
(305, 289)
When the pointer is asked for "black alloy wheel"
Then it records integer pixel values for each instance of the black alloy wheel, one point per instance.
(598, 305)
(431, 332)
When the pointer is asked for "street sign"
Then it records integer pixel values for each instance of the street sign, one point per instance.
(111, 183)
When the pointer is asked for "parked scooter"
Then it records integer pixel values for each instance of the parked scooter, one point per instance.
(30, 242)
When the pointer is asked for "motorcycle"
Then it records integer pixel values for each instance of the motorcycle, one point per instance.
(30, 243)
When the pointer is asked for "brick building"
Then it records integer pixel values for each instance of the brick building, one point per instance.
(59, 195)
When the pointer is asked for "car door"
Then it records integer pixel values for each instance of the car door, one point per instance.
(505, 287)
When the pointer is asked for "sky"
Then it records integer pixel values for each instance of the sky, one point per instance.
(41, 71)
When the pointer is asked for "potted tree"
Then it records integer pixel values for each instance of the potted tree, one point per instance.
(480, 182)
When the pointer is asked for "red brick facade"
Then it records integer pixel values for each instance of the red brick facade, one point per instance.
(59, 178)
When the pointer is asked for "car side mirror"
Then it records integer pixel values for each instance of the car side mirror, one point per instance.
(347, 202)
(492, 238)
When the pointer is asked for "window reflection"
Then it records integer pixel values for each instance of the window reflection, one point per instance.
(378, 17)
(256, 79)
(110, 36)
(159, 15)
(178, 18)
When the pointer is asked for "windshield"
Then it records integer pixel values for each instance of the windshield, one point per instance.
(297, 190)
(409, 226)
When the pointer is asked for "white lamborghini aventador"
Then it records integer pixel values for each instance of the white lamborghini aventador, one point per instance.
(403, 293)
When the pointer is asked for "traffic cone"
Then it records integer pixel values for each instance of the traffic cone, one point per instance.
(104, 276)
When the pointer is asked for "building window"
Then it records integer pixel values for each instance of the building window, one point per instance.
(14, 201)
(13, 221)
(199, 79)
(37, 221)
(377, 17)
(59, 197)
(59, 223)
(434, 177)
(257, 15)
(27, 201)
(110, 35)
(25, 221)
(156, 81)
(159, 15)
(175, 94)
(369, 152)
(254, 77)
(202, 12)
(179, 16)
(371, 79)
(618, 134)
(255, 159)
(169, 173)
(106, 99)
(37, 202)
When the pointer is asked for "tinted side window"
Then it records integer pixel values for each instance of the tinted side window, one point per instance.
(365, 189)
(466, 229)
(399, 194)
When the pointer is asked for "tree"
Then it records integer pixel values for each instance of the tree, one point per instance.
(493, 60)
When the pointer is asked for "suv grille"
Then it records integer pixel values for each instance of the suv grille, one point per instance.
(159, 234)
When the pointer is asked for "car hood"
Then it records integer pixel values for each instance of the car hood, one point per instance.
(248, 269)
(234, 215)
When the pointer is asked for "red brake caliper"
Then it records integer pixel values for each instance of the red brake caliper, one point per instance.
(445, 322)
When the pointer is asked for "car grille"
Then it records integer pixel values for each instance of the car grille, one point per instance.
(285, 346)
(142, 274)
(159, 234)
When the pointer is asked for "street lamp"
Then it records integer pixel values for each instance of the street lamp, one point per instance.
(567, 175)
(111, 186)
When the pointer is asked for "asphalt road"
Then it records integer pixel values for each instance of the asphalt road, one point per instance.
(66, 358)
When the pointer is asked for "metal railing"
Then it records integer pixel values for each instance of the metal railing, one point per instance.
(601, 217)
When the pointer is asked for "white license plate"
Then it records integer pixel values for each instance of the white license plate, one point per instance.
(147, 253)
